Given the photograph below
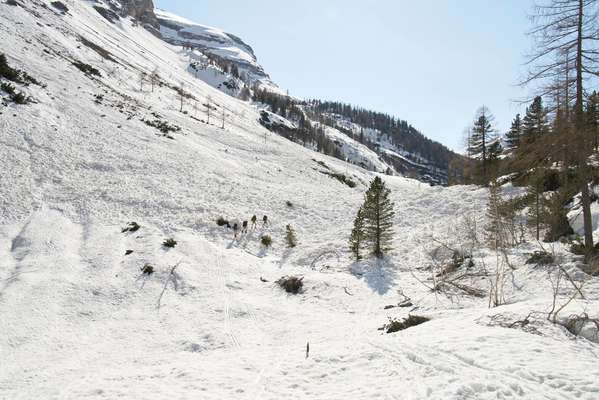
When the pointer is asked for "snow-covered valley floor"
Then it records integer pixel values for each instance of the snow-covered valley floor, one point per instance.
(79, 320)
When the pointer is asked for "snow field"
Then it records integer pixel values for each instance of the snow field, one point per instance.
(79, 320)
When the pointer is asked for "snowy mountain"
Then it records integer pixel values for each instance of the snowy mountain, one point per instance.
(215, 42)
(227, 63)
(102, 125)
(374, 141)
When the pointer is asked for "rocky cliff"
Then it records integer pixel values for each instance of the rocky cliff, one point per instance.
(216, 42)
(141, 10)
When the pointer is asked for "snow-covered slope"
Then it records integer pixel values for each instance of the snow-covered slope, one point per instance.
(388, 155)
(181, 31)
(79, 320)
(227, 63)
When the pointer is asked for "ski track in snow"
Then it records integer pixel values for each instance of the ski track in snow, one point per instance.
(80, 321)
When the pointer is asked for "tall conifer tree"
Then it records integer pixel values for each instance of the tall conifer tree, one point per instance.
(535, 123)
(356, 239)
(378, 217)
(482, 137)
(514, 134)
(592, 118)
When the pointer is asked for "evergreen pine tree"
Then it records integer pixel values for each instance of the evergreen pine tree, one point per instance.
(493, 227)
(378, 217)
(592, 118)
(482, 136)
(514, 134)
(495, 150)
(555, 216)
(534, 123)
(535, 203)
(356, 239)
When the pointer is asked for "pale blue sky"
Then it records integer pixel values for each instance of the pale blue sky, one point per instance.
(432, 63)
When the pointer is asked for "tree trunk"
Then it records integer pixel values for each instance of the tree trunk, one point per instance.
(538, 217)
(484, 142)
(378, 228)
(580, 130)
(586, 216)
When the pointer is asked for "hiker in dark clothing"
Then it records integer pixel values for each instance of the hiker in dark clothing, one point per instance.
(264, 220)
(253, 221)
(235, 230)
(244, 227)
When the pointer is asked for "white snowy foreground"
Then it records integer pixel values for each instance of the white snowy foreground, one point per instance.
(78, 320)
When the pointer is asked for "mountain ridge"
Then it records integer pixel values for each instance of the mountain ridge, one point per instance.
(229, 64)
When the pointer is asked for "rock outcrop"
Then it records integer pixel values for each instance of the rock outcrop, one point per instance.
(216, 42)
(141, 10)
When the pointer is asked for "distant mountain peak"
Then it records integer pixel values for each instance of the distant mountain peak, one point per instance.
(216, 42)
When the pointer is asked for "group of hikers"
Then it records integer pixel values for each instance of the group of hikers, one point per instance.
(244, 225)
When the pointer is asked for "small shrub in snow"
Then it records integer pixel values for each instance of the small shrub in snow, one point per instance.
(541, 258)
(290, 237)
(86, 68)
(102, 52)
(6, 71)
(291, 284)
(19, 98)
(131, 227)
(266, 240)
(321, 163)
(13, 94)
(162, 126)
(8, 88)
(147, 269)
(578, 248)
(14, 75)
(221, 221)
(169, 243)
(583, 325)
(341, 178)
(591, 267)
(289, 204)
(396, 325)
(457, 259)
(405, 303)
(60, 6)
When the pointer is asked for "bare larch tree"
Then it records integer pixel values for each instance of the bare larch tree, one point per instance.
(566, 35)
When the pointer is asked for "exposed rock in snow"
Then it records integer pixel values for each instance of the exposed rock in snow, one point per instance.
(141, 10)
(181, 31)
